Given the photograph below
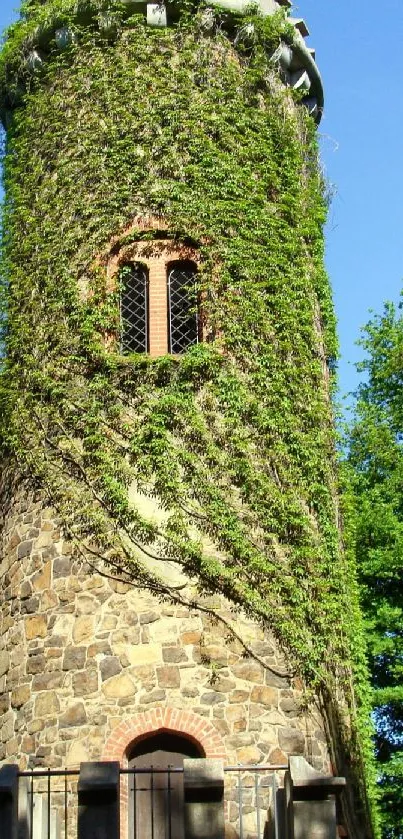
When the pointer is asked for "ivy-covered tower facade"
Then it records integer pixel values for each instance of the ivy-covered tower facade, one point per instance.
(172, 560)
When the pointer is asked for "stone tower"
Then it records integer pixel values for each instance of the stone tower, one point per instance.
(171, 559)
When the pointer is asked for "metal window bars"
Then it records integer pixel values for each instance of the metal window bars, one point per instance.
(183, 319)
(134, 315)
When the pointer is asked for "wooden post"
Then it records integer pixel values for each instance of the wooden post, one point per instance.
(204, 798)
(310, 801)
(99, 801)
(9, 802)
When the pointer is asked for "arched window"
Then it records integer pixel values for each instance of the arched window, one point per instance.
(155, 790)
(134, 308)
(183, 317)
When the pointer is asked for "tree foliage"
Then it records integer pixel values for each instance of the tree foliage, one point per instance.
(376, 454)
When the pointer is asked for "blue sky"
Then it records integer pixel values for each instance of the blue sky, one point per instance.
(359, 52)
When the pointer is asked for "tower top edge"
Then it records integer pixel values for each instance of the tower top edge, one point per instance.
(265, 5)
(48, 25)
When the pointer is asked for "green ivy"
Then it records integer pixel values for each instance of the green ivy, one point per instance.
(236, 437)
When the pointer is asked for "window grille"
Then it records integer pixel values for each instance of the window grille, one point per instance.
(134, 308)
(183, 320)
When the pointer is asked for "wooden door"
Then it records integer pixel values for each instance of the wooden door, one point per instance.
(156, 789)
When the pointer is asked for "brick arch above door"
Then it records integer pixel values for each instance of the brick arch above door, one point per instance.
(187, 723)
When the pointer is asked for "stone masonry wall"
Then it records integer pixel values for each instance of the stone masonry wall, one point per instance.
(82, 657)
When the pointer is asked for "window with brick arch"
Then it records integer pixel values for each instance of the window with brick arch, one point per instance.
(183, 309)
(134, 308)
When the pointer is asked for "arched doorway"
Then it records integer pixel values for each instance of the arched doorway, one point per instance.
(156, 785)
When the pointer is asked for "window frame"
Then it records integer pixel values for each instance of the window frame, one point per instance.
(191, 266)
(153, 248)
(133, 265)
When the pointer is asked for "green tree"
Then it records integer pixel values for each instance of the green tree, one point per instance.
(376, 454)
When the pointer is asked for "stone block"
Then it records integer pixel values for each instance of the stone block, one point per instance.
(251, 671)
(214, 653)
(36, 664)
(99, 648)
(249, 755)
(149, 617)
(265, 696)
(223, 685)
(238, 696)
(141, 654)
(30, 605)
(54, 652)
(12, 747)
(77, 753)
(4, 702)
(168, 677)
(75, 715)
(174, 654)
(119, 687)
(61, 567)
(85, 682)
(86, 605)
(47, 681)
(110, 666)
(157, 695)
(241, 725)
(35, 627)
(74, 658)
(238, 741)
(289, 707)
(109, 622)
(24, 549)
(44, 540)
(25, 590)
(275, 681)
(234, 712)
(46, 703)
(250, 822)
(277, 757)
(49, 600)
(291, 741)
(192, 637)
(262, 648)
(222, 726)
(163, 631)
(4, 662)
(83, 629)
(28, 744)
(35, 726)
(20, 695)
(212, 698)
(190, 691)
(7, 728)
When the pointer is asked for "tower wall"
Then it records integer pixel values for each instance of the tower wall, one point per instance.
(87, 664)
(172, 549)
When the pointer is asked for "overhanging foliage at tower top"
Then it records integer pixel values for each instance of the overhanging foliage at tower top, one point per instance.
(52, 26)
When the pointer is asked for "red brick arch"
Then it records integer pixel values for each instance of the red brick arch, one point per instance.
(197, 728)
(130, 730)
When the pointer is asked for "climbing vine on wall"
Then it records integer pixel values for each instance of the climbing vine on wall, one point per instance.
(235, 438)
